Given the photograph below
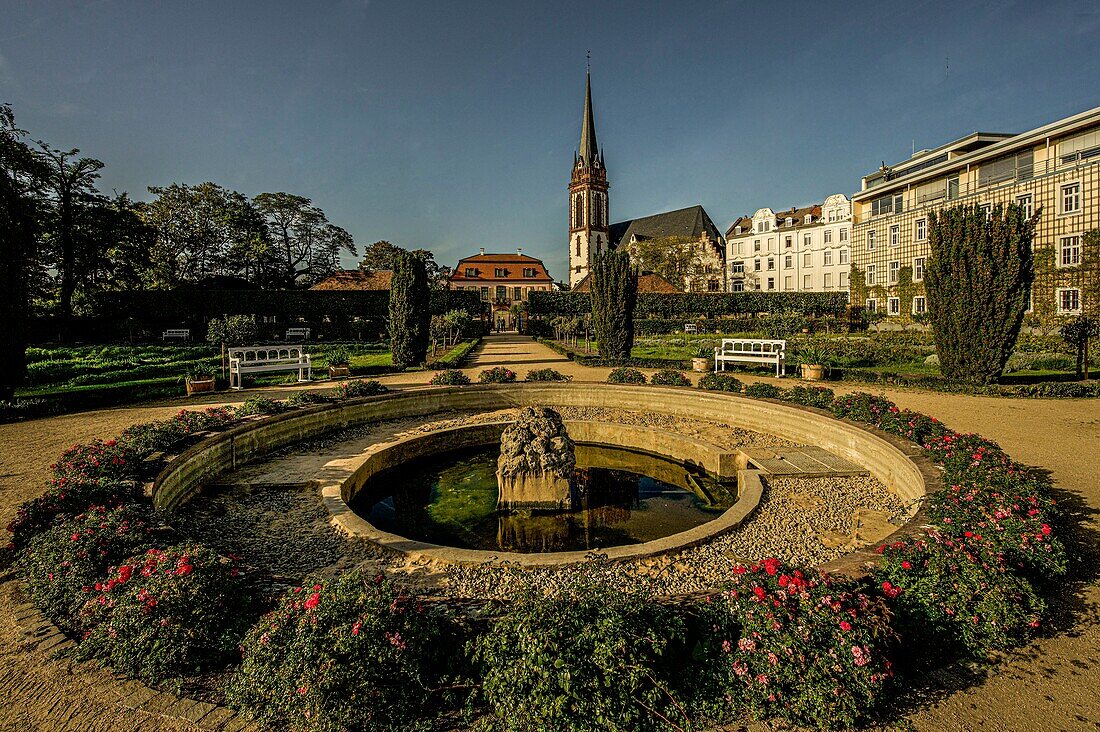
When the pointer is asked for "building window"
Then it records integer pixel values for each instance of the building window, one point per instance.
(827, 257)
(871, 305)
(807, 259)
(578, 248)
(712, 285)
(844, 234)
(788, 283)
(918, 269)
(987, 209)
(739, 286)
(807, 282)
(517, 293)
(502, 292)
(1071, 198)
(737, 267)
(771, 283)
(484, 293)
(806, 240)
(1026, 204)
(471, 272)
(870, 274)
(828, 279)
(895, 267)
(578, 212)
(953, 187)
(756, 245)
(828, 236)
(756, 265)
(788, 242)
(500, 272)
(771, 263)
(1069, 301)
(895, 235)
(788, 262)
(530, 272)
(871, 240)
(920, 305)
(1070, 248)
(920, 229)
(843, 279)
(844, 256)
(893, 306)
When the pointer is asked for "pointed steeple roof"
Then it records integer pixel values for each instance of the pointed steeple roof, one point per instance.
(589, 151)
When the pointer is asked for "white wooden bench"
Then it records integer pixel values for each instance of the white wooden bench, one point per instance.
(750, 350)
(302, 333)
(183, 334)
(689, 328)
(264, 359)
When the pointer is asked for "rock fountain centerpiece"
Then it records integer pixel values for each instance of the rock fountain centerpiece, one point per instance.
(536, 464)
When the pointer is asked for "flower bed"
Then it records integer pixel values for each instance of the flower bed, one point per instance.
(776, 642)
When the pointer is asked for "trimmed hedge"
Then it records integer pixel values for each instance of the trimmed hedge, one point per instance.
(690, 305)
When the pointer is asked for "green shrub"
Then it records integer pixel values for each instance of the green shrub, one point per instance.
(669, 377)
(409, 312)
(354, 389)
(167, 613)
(338, 356)
(345, 654)
(261, 405)
(456, 356)
(594, 659)
(783, 325)
(720, 382)
(62, 564)
(763, 390)
(862, 407)
(95, 460)
(809, 396)
(141, 440)
(951, 602)
(809, 650)
(626, 375)
(234, 330)
(547, 375)
(309, 398)
(449, 377)
(497, 375)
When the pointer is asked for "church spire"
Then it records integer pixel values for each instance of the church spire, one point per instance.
(589, 151)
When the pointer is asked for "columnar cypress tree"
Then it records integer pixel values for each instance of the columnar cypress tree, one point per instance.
(614, 293)
(409, 312)
(978, 279)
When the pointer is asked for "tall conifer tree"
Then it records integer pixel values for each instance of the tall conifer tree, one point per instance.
(614, 294)
(409, 311)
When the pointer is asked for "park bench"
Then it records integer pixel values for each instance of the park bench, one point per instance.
(302, 333)
(689, 328)
(265, 359)
(750, 350)
(183, 334)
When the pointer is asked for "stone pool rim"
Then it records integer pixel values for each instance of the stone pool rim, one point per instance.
(899, 464)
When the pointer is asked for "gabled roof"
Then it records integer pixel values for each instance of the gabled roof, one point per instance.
(797, 216)
(745, 222)
(691, 222)
(354, 279)
(647, 282)
(486, 265)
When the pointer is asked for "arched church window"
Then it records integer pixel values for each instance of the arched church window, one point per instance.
(578, 246)
(578, 211)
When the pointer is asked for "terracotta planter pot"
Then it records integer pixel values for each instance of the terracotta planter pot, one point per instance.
(194, 387)
(813, 371)
(700, 364)
(339, 371)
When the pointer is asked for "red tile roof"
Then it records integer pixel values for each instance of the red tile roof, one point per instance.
(485, 266)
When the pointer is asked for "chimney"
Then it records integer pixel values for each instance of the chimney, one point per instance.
(519, 250)
(481, 251)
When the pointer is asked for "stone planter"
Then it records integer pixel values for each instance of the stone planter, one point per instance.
(194, 387)
(335, 371)
(813, 371)
(700, 364)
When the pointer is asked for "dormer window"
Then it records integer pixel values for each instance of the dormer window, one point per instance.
(789, 221)
(471, 272)
(530, 272)
(808, 218)
(737, 231)
(500, 272)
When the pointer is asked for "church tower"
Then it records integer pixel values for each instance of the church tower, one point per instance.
(588, 222)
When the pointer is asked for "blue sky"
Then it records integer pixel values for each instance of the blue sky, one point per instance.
(452, 125)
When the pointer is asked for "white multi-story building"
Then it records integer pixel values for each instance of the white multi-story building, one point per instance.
(798, 250)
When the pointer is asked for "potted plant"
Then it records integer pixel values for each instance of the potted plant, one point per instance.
(813, 358)
(701, 360)
(200, 378)
(339, 361)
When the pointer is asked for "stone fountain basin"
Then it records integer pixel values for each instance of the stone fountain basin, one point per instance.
(338, 493)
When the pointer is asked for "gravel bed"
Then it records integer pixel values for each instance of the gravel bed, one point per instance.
(716, 432)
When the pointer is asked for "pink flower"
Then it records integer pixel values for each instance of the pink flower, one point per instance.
(313, 601)
(1046, 530)
(845, 625)
(355, 627)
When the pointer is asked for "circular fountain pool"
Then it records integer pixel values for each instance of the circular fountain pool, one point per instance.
(628, 498)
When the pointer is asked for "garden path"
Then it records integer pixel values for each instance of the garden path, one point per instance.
(1048, 684)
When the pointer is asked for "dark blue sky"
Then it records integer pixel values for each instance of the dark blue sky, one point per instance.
(451, 125)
